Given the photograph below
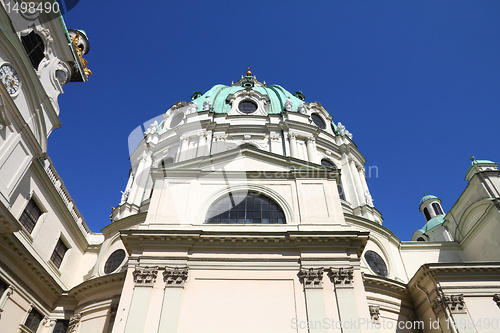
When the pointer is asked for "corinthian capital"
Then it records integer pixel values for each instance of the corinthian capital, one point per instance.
(343, 276)
(145, 276)
(312, 277)
(175, 277)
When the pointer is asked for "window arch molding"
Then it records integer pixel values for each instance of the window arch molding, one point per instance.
(275, 196)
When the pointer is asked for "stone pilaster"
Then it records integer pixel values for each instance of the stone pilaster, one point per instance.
(144, 279)
(343, 280)
(452, 312)
(175, 278)
(293, 144)
(312, 279)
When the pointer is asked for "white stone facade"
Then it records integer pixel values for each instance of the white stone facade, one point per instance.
(326, 264)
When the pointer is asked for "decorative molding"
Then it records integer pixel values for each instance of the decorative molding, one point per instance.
(5, 296)
(374, 312)
(175, 277)
(145, 276)
(455, 303)
(496, 298)
(74, 321)
(312, 278)
(343, 276)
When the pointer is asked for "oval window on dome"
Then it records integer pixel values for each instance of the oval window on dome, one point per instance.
(176, 120)
(114, 261)
(376, 263)
(247, 107)
(316, 118)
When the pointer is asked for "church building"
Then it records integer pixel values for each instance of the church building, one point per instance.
(246, 210)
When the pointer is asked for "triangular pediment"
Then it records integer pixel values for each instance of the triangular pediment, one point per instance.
(247, 158)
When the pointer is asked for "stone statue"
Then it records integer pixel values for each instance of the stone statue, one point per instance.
(192, 108)
(288, 104)
(125, 196)
(152, 128)
(302, 108)
(341, 128)
(207, 105)
(368, 197)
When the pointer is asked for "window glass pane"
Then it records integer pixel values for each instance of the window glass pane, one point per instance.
(33, 44)
(376, 263)
(61, 326)
(316, 118)
(242, 207)
(33, 320)
(58, 254)
(3, 287)
(114, 261)
(30, 215)
(247, 107)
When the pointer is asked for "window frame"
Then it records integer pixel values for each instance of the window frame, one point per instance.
(118, 266)
(55, 252)
(235, 213)
(39, 220)
(29, 53)
(30, 326)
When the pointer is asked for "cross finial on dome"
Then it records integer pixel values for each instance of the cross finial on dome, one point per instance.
(248, 72)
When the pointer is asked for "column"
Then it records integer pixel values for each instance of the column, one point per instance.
(174, 278)
(362, 176)
(311, 149)
(312, 279)
(348, 182)
(343, 278)
(140, 179)
(183, 147)
(144, 279)
(202, 142)
(293, 144)
(357, 182)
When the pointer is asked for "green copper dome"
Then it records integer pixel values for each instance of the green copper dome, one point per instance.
(218, 96)
(427, 197)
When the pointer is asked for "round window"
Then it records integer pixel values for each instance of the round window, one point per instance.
(318, 121)
(247, 107)
(176, 120)
(114, 261)
(377, 264)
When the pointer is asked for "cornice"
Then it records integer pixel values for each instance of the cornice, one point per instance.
(96, 286)
(349, 241)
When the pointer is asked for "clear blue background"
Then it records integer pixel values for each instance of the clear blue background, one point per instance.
(416, 82)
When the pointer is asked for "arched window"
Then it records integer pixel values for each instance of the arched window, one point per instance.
(420, 239)
(437, 208)
(33, 44)
(427, 215)
(340, 188)
(245, 207)
(327, 163)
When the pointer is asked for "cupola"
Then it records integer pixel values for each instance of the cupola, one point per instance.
(430, 206)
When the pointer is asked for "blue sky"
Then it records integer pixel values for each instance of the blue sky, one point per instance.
(416, 82)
